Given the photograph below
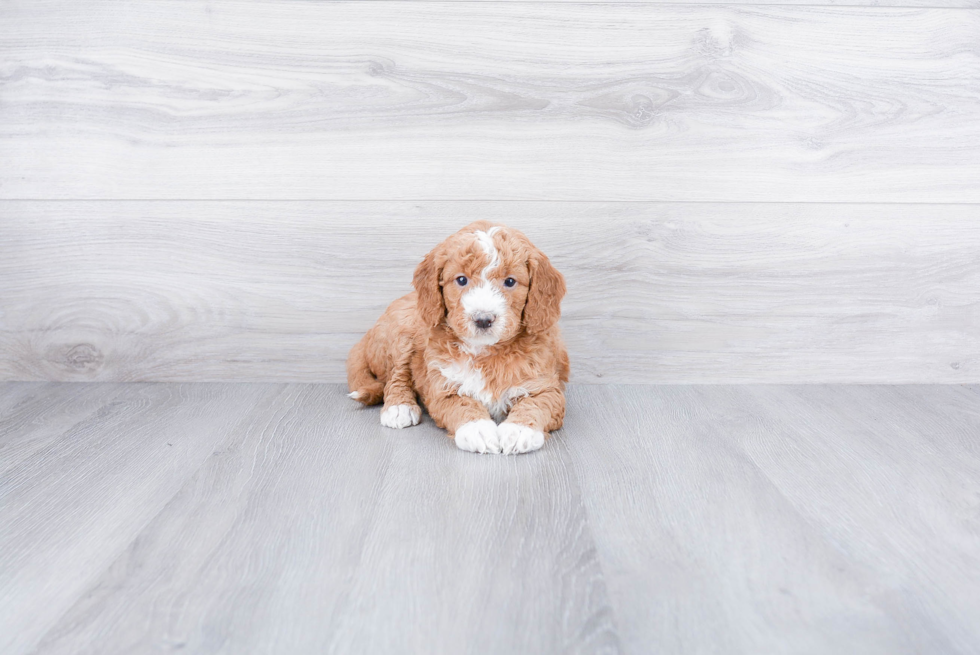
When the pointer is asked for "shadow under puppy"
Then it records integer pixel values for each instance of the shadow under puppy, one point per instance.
(477, 342)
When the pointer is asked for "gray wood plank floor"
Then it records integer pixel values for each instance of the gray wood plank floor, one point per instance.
(238, 518)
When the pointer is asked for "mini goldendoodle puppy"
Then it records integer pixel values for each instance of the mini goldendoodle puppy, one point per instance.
(477, 342)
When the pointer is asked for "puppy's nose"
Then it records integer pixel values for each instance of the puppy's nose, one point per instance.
(483, 323)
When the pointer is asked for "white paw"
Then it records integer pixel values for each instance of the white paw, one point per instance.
(516, 438)
(401, 416)
(478, 437)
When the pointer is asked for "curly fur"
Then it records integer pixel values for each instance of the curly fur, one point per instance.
(429, 346)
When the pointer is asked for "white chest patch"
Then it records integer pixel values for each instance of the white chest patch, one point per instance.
(467, 380)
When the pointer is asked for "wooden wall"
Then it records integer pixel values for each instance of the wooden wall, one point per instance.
(196, 190)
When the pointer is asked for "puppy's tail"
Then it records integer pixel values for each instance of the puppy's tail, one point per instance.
(364, 387)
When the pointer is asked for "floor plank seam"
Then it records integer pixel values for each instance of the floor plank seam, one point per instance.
(573, 475)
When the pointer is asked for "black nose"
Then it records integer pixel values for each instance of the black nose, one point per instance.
(483, 323)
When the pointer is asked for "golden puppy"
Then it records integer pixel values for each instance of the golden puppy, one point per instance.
(477, 342)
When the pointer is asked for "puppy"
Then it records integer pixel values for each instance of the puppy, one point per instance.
(477, 342)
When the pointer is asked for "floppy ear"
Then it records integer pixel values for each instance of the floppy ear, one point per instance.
(546, 289)
(431, 307)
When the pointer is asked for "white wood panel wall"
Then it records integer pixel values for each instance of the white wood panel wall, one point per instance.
(679, 292)
(418, 100)
(234, 190)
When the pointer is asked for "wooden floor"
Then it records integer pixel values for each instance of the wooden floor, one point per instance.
(260, 518)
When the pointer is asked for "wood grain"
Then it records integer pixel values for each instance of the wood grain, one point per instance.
(310, 528)
(229, 518)
(74, 506)
(911, 455)
(444, 100)
(38, 416)
(780, 519)
(658, 292)
(476, 555)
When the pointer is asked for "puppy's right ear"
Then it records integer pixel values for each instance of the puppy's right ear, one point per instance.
(431, 307)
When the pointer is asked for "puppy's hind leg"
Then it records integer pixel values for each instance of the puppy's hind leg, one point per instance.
(401, 409)
(364, 386)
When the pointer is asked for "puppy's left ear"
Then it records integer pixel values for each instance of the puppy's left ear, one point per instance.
(545, 291)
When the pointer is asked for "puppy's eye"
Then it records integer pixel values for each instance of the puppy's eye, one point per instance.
(461, 280)
(509, 282)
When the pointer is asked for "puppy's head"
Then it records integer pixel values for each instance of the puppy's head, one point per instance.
(488, 283)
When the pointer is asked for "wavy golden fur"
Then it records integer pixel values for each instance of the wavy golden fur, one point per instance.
(477, 340)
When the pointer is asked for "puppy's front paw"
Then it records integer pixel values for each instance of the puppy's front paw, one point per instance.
(516, 438)
(401, 416)
(478, 437)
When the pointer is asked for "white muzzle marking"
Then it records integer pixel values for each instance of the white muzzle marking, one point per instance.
(486, 301)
